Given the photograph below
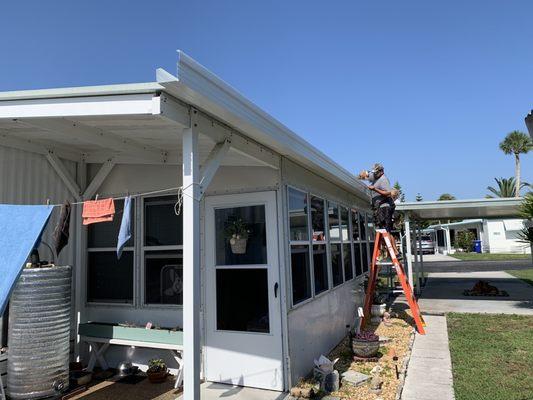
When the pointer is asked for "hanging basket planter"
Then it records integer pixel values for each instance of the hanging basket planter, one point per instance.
(238, 246)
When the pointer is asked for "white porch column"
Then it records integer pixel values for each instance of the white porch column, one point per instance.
(408, 254)
(422, 277)
(191, 263)
(416, 264)
(418, 267)
(448, 241)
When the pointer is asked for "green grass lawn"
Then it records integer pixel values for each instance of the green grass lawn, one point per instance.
(491, 356)
(489, 256)
(526, 275)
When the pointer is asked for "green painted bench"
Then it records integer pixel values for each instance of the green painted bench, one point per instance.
(100, 336)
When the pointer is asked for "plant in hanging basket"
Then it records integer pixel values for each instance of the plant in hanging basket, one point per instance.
(237, 233)
(157, 371)
(365, 344)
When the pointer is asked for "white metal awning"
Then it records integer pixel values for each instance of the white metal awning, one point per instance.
(141, 121)
(462, 209)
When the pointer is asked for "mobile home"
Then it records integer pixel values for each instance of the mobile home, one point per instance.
(244, 235)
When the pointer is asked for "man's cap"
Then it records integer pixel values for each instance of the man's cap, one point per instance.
(378, 167)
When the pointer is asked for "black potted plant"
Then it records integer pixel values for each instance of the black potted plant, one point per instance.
(157, 370)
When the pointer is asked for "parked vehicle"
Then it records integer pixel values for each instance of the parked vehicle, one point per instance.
(426, 244)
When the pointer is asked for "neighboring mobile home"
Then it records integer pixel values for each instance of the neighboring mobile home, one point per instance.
(254, 316)
(497, 235)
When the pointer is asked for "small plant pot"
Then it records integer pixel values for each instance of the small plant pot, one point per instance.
(365, 348)
(157, 377)
(238, 246)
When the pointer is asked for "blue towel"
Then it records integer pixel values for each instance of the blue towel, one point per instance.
(125, 227)
(20, 231)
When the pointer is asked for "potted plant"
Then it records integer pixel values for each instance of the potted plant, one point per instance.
(365, 344)
(237, 232)
(157, 371)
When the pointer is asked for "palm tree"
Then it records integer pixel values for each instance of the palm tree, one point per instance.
(419, 197)
(401, 194)
(516, 143)
(506, 188)
(446, 196)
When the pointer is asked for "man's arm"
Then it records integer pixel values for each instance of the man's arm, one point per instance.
(381, 192)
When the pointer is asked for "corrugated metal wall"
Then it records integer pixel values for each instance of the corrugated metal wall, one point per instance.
(28, 178)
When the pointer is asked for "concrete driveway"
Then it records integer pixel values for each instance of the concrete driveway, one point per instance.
(444, 293)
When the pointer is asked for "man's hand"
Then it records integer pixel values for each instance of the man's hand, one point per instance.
(371, 187)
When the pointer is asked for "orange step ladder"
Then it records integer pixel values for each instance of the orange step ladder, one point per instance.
(382, 234)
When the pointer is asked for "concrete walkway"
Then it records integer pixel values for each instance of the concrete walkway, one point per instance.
(444, 293)
(429, 374)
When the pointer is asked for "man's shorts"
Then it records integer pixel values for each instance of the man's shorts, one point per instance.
(383, 218)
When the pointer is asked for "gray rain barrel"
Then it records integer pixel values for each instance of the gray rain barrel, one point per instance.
(39, 333)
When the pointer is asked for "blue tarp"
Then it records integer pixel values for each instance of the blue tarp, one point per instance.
(20, 229)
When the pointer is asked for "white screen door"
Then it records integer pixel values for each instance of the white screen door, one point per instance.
(243, 318)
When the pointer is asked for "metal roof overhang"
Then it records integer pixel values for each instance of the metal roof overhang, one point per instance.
(193, 85)
(461, 209)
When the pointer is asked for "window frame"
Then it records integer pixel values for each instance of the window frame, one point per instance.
(88, 249)
(327, 242)
(307, 243)
(337, 241)
(144, 249)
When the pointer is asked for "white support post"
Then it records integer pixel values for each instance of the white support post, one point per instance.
(79, 268)
(408, 254)
(65, 176)
(191, 263)
(418, 249)
(422, 278)
(448, 242)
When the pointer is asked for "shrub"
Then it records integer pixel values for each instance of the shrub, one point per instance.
(464, 240)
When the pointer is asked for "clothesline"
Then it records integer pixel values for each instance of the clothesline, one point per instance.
(180, 189)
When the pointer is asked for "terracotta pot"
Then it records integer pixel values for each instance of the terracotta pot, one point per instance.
(238, 246)
(157, 377)
(365, 348)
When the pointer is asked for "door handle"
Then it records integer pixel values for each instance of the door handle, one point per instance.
(276, 286)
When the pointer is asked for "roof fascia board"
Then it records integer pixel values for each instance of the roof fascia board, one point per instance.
(84, 91)
(197, 85)
(474, 203)
(132, 104)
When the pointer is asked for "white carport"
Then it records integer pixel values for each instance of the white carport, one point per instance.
(193, 121)
(444, 210)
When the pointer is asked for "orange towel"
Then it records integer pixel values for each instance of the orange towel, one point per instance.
(95, 211)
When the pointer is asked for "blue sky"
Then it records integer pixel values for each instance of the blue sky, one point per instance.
(427, 88)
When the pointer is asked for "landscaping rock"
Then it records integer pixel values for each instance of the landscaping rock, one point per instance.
(354, 378)
(384, 339)
(330, 398)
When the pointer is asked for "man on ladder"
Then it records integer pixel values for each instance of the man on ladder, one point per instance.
(383, 197)
(383, 206)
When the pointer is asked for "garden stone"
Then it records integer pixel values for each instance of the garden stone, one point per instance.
(331, 398)
(354, 378)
